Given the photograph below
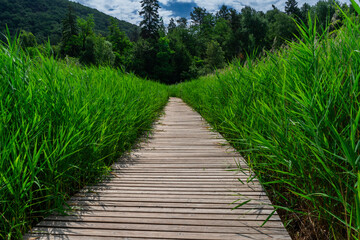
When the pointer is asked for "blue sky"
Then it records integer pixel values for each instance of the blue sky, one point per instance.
(128, 9)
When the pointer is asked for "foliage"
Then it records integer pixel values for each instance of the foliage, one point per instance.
(70, 42)
(291, 8)
(198, 15)
(121, 45)
(43, 18)
(150, 24)
(61, 127)
(214, 55)
(294, 115)
(190, 48)
(27, 39)
(86, 28)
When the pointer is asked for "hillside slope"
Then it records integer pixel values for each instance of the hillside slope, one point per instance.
(43, 18)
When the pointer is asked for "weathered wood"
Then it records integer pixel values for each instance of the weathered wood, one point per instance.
(74, 233)
(146, 218)
(160, 227)
(182, 183)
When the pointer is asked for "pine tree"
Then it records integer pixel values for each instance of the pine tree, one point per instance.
(150, 24)
(182, 22)
(70, 43)
(198, 15)
(172, 25)
(223, 13)
(69, 27)
(291, 8)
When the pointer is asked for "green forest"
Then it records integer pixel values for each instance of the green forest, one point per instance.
(182, 49)
(282, 87)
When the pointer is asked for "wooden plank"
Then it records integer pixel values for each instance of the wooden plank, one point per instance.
(209, 216)
(178, 185)
(160, 200)
(230, 197)
(171, 221)
(178, 205)
(149, 234)
(111, 208)
(176, 189)
(176, 181)
(161, 227)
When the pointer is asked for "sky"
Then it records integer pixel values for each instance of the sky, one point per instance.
(128, 10)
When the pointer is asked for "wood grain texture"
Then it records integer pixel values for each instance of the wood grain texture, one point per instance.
(182, 183)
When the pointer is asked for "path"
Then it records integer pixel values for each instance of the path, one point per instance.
(177, 186)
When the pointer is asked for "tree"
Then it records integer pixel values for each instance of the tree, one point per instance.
(324, 11)
(88, 56)
(103, 52)
(162, 28)
(182, 22)
(150, 24)
(214, 55)
(121, 45)
(27, 39)
(222, 34)
(164, 68)
(198, 15)
(223, 13)
(282, 28)
(291, 8)
(254, 29)
(304, 11)
(70, 44)
(86, 27)
(143, 57)
(172, 25)
(134, 35)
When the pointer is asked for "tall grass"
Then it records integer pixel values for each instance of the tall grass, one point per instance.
(295, 115)
(60, 128)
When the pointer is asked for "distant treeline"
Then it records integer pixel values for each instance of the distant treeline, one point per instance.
(187, 49)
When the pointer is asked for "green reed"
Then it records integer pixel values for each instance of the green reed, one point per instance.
(61, 126)
(294, 114)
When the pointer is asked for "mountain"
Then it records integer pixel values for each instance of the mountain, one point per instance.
(44, 17)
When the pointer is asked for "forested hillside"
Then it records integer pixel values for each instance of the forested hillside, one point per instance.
(44, 18)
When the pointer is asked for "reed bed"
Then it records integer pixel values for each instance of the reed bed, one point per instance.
(61, 127)
(294, 114)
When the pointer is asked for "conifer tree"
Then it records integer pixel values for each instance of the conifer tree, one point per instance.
(69, 25)
(198, 15)
(291, 8)
(150, 24)
(172, 25)
(70, 44)
(182, 22)
(223, 13)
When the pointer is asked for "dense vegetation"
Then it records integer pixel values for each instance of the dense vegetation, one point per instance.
(61, 127)
(43, 18)
(184, 50)
(294, 114)
(67, 111)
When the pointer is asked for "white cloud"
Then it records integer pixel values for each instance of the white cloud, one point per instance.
(166, 15)
(259, 5)
(128, 10)
(122, 9)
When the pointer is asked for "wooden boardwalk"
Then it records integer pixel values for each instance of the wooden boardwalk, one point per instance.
(176, 186)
